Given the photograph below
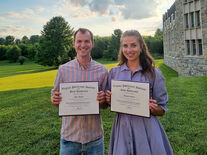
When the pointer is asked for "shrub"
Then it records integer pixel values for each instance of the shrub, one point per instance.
(13, 53)
(3, 50)
(22, 59)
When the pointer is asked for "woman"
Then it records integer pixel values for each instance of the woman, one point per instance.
(136, 135)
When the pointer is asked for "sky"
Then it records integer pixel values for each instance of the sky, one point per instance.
(27, 17)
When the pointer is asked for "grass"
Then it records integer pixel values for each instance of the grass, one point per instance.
(10, 69)
(29, 124)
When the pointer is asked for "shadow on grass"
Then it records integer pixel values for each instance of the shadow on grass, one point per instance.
(167, 71)
(27, 72)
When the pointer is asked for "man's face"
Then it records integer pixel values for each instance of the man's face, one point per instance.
(83, 44)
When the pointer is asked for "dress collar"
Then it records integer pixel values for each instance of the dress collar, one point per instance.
(125, 67)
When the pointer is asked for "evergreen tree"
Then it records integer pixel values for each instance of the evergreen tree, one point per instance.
(55, 43)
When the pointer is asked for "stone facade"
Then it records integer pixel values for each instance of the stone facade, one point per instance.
(185, 37)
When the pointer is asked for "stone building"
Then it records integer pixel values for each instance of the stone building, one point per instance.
(185, 37)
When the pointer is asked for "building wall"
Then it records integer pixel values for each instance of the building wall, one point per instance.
(176, 36)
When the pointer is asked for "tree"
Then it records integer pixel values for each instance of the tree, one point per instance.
(17, 41)
(34, 39)
(3, 50)
(22, 59)
(9, 40)
(101, 44)
(13, 53)
(2, 41)
(56, 42)
(25, 40)
(24, 49)
(158, 33)
(114, 44)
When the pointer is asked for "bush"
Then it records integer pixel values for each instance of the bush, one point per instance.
(22, 59)
(13, 53)
(32, 50)
(24, 49)
(3, 50)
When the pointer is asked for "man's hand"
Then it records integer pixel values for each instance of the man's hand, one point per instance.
(56, 98)
(101, 98)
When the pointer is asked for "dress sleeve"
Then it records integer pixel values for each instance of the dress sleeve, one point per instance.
(159, 90)
(57, 82)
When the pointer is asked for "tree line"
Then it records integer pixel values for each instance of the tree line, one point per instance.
(54, 46)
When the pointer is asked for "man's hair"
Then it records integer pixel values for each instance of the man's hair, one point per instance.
(83, 30)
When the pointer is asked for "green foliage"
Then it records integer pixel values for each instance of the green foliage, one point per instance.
(56, 42)
(33, 50)
(114, 45)
(17, 41)
(13, 53)
(3, 50)
(101, 44)
(158, 33)
(22, 59)
(154, 44)
(2, 41)
(9, 40)
(24, 49)
(34, 39)
(25, 40)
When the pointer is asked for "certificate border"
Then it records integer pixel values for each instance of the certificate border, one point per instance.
(78, 114)
(129, 113)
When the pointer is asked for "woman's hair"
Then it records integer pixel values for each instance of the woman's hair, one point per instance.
(146, 60)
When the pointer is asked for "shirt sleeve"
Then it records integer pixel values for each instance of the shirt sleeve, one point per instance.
(104, 80)
(57, 82)
(109, 79)
(159, 90)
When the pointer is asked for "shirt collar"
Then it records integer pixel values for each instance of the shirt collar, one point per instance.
(87, 66)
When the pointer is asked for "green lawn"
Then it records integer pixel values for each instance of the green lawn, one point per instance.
(29, 124)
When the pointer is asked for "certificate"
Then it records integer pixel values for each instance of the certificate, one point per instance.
(130, 98)
(79, 98)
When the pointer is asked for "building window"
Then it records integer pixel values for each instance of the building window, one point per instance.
(200, 47)
(185, 1)
(192, 19)
(186, 21)
(188, 47)
(198, 20)
(194, 47)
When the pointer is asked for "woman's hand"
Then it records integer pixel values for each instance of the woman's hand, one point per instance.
(108, 97)
(155, 109)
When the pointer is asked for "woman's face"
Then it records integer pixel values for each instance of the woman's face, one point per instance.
(131, 48)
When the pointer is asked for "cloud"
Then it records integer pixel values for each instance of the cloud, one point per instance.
(16, 31)
(100, 6)
(78, 2)
(83, 14)
(129, 9)
(18, 24)
(40, 9)
(137, 9)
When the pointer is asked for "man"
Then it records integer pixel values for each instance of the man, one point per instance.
(82, 134)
